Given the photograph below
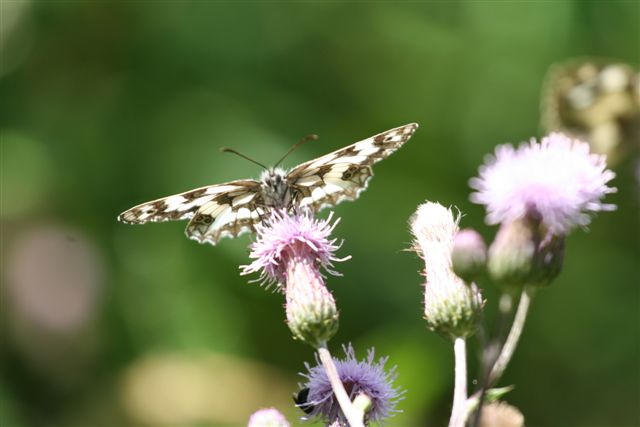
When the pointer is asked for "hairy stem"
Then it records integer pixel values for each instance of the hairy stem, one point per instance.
(354, 417)
(459, 409)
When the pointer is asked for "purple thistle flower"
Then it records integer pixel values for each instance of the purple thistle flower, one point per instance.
(558, 180)
(283, 237)
(364, 376)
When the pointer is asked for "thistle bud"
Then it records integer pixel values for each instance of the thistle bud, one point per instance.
(469, 255)
(524, 253)
(501, 414)
(311, 310)
(451, 308)
(512, 253)
(269, 417)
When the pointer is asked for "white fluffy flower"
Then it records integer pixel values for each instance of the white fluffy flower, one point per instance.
(558, 180)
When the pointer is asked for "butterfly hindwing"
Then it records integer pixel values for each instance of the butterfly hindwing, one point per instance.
(344, 173)
(227, 215)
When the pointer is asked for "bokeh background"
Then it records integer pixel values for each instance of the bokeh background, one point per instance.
(104, 105)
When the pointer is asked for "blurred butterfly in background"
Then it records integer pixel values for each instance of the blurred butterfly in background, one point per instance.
(595, 100)
(232, 208)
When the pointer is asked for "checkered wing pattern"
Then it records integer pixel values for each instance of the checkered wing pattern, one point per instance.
(344, 173)
(215, 211)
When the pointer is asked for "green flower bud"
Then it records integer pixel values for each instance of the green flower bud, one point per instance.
(524, 253)
(469, 255)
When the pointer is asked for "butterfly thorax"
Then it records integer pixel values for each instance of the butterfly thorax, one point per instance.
(275, 191)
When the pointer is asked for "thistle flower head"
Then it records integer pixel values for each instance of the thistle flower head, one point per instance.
(558, 180)
(268, 417)
(283, 236)
(365, 376)
(451, 308)
(291, 250)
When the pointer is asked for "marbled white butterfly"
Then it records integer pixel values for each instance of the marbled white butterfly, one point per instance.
(595, 100)
(229, 209)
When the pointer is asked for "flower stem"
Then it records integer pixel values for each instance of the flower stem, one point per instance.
(459, 410)
(361, 405)
(514, 336)
(354, 417)
(498, 365)
(490, 350)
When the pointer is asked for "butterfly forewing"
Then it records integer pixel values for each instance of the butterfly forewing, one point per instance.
(344, 173)
(203, 204)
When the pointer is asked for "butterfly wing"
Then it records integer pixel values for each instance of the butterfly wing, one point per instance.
(228, 210)
(215, 211)
(227, 215)
(344, 173)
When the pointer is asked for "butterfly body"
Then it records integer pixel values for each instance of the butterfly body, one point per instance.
(275, 191)
(232, 208)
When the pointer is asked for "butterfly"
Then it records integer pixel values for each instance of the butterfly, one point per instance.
(595, 100)
(232, 208)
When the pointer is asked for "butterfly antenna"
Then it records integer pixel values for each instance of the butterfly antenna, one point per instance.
(311, 137)
(231, 150)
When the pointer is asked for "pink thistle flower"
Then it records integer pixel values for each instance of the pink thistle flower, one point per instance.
(282, 238)
(291, 251)
(557, 180)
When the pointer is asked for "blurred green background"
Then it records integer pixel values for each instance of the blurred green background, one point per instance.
(104, 105)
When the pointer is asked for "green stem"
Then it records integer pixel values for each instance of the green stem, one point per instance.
(498, 366)
(511, 343)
